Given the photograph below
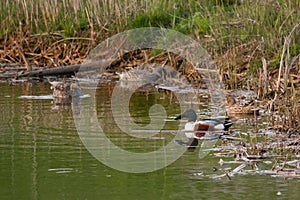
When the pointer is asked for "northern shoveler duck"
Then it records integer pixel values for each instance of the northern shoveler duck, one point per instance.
(64, 91)
(195, 130)
(235, 108)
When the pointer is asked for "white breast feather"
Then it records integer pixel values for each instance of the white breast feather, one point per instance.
(219, 127)
(189, 129)
(189, 126)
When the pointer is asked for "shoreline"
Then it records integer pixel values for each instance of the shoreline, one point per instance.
(254, 44)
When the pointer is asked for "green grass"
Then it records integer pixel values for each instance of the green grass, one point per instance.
(221, 26)
(237, 35)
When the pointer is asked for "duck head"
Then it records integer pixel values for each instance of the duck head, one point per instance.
(190, 114)
(230, 101)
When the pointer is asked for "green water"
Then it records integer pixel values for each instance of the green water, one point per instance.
(42, 157)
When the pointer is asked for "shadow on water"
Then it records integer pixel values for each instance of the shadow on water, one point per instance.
(42, 155)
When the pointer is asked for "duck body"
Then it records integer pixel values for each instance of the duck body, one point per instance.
(198, 129)
(209, 124)
(235, 108)
(195, 130)
(251, 110)
(63, 92)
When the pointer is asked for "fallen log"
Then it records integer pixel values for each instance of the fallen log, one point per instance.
(65, 70)
(70, 69)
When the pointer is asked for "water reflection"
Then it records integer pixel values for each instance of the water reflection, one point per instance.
(43, 157)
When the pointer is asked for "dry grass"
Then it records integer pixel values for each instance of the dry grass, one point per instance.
(256, 44)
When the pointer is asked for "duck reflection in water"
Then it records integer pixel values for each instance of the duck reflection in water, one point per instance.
(195, 130)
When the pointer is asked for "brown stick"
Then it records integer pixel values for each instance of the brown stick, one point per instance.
(265, 77)
(20, 49)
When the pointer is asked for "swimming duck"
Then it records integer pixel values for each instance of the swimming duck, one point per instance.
(195, 130)
(64, 91)
(235, 108)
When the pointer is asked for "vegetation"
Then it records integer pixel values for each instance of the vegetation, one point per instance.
(255, 43)
(222, 26)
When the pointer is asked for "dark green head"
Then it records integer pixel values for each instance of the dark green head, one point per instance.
(190, 114)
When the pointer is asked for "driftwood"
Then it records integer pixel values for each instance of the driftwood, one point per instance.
(64, 70)
(70, 69)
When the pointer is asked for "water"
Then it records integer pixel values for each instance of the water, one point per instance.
(42, 156)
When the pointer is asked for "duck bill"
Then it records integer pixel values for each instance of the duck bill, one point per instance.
(178, 117)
